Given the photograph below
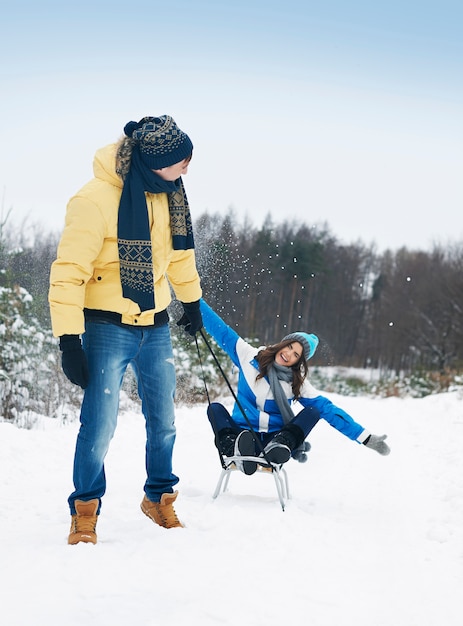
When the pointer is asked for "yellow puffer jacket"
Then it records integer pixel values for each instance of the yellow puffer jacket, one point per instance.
(86, 271)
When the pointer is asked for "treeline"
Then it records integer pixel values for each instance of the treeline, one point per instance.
(400, 310)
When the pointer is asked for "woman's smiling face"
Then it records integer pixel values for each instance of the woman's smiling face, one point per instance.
(289, 355)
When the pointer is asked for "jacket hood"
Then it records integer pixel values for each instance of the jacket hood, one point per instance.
(104, 165)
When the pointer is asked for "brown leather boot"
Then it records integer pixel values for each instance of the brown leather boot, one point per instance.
(83, 524)
(162, 512)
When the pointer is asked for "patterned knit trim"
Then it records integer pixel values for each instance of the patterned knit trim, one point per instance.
(136, 264)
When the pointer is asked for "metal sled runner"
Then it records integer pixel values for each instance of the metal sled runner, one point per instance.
(277, 471)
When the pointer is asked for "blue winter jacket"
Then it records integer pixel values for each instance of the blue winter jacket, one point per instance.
(255, 396)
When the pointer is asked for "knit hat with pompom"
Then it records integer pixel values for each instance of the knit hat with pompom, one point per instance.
(308, 342)
(160, 141)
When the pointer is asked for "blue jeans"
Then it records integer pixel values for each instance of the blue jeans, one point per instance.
(110, 348)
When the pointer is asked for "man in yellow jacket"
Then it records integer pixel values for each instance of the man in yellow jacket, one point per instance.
(127, 241)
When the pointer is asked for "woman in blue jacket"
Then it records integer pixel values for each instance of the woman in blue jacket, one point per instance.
(280, 403)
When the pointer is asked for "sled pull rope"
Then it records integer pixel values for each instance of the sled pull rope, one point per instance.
(222, 460)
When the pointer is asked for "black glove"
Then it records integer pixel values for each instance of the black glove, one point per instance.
(192, 319)
(73, 360)
(378, 444)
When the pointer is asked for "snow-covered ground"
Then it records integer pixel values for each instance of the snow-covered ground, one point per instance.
(365, 540)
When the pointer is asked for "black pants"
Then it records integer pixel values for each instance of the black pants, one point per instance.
(300, 426)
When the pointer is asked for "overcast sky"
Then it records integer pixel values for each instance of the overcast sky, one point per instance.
(349, 113)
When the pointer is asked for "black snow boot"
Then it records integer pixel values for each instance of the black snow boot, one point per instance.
(279, 449)
(245, 446)
(225, 441)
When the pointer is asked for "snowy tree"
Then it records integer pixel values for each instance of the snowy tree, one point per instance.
(23, 346)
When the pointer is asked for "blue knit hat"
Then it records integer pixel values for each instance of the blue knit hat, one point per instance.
(308, 342)
(160, 141)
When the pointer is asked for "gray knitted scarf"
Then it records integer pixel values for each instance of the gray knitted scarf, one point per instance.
(276, 373)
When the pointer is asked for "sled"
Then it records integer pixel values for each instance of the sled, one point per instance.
(277, 471)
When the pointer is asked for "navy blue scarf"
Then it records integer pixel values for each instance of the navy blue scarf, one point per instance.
(133, 229)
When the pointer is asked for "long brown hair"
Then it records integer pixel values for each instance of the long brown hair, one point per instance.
(266, 357)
